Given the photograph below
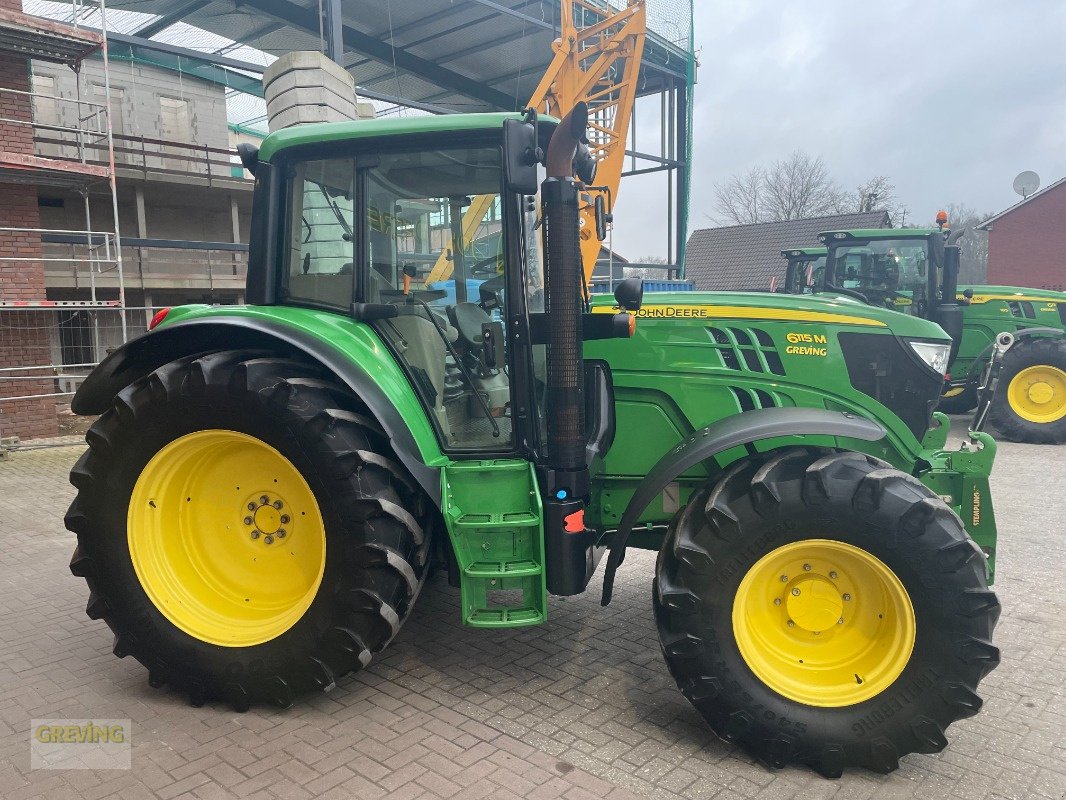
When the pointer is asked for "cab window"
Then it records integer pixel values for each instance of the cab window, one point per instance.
(890, 272)
(434, 223)
(321, 237)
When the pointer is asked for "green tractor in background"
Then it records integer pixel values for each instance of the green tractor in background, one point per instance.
(804, 270)
(1009, 344)
(268, 484)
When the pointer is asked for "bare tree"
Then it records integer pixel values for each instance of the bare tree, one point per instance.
(974, 258)
(877, 194)
(799, 187)
(738, 199)
(793, 188)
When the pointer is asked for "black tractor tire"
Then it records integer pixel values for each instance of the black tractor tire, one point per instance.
(765, 502)
(1042, 352)
(374, 524)
(961, 403)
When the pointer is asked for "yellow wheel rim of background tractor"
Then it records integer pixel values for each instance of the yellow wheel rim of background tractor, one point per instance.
(823, 623)
(1038, 394)
(226, 538)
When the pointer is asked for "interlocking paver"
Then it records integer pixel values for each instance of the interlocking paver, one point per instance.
(579, 708)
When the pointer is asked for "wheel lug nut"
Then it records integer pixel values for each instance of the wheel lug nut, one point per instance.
(281, 533)
(806, 567)
(264, 499)
(846, 596)
(284, 519)
(277, 504)
(255, 534)
(784, 579)
(777, 601)
(840, 621)
(247, 520)
(796, 592)
(269, 539)
(791, 624)
(833, 575)
(251, 506)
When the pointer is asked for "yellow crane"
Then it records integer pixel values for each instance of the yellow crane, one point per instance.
(596, 60)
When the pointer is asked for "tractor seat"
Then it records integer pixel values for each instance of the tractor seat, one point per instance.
(468, 319)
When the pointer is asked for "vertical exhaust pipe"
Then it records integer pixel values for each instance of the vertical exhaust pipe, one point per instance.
(570, 552)
(563, 303)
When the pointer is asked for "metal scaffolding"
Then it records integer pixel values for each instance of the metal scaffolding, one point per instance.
(36, 336)
(84, 124)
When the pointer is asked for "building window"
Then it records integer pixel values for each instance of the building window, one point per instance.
(174, 126)
(45, 109)
(118, 126)
(174, 119)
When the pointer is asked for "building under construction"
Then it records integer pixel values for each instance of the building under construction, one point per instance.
(119, 188)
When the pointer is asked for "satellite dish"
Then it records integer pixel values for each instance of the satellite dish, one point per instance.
(1026, 183)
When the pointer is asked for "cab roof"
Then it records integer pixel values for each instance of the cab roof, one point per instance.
(878, 233)
(795, 252)
(324, 132)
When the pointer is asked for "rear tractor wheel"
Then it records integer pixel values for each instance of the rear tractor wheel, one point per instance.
(245, 529)
(826, 609)
(1030, 401)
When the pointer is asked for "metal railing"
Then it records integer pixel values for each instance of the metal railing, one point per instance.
(147, 155)
(149, 263)
(47, 350)
(87, 128)
(92, 253)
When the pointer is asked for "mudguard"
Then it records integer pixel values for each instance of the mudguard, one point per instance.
(138, 358)
(734, 431)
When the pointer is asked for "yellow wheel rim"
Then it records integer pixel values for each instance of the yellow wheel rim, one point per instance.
(1038, 394)
(823, 623)
(226, 538)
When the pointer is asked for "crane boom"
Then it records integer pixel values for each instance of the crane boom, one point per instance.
(596, 61)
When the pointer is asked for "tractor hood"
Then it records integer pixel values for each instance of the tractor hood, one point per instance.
(824, 308)
(982, 294)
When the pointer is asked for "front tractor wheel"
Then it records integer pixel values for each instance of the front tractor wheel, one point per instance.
(826, 609)
(1030, 402)
(245, 529)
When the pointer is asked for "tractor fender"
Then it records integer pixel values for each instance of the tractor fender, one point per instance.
(139, 357)
(738, 430)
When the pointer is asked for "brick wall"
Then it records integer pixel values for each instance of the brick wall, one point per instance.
(24, 336)
(1027, 247)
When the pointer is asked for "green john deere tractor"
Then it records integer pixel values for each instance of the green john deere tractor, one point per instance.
(1009, 353)
(267, 484)
(804, 270)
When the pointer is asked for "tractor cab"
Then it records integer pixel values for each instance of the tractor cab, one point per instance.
(911, 270)
(805, 268)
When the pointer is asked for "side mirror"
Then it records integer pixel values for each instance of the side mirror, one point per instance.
(521, 154)
(601, 217)
(249, 155)
(630, 294)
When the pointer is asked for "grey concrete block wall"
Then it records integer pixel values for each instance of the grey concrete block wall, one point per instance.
(140, 87)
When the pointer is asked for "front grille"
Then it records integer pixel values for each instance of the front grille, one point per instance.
(883, 367)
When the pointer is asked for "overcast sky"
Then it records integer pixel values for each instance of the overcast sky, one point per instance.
(949, 99)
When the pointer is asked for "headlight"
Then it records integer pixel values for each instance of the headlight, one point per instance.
(934, 355)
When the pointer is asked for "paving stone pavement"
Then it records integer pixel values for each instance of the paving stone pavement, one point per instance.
(581, 707)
